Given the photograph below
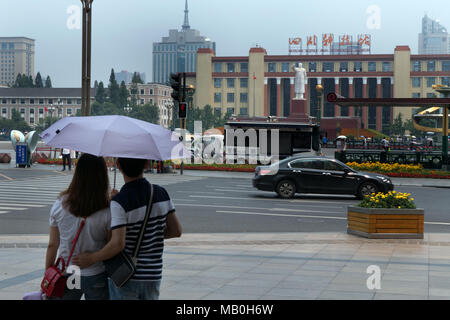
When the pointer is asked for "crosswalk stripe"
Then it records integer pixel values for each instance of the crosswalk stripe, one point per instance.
(21, 205)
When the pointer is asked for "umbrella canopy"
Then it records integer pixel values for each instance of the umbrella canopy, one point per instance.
(115, 136)
(341, 137)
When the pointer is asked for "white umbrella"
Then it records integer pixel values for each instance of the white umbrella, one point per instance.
(115, 136)
(342, 137)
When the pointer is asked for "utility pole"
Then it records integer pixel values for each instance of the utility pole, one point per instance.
(86, 58)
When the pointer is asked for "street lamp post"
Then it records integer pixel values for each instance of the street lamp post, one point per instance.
(86, 58)
(319, 89)
(445, 90)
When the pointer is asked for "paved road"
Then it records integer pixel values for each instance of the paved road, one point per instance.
(205, 204)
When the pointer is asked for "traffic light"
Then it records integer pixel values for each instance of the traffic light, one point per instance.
(182, 110)
(175, 83)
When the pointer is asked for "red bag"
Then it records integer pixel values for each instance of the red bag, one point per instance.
(54, 282)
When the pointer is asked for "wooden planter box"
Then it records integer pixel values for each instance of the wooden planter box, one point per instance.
(385, 223)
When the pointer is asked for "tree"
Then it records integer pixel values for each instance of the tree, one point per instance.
(48, 82)
(100, 96)
(397, 128)
(147, 112)
(38, 81)
(123, 95)
(137, 78)
(30, 83)
(105, 109)
(113, 89)
(95, 84)
(45, 123)
(15, 123)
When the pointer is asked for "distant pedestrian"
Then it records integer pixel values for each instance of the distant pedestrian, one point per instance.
(385, 143)
(66, 158)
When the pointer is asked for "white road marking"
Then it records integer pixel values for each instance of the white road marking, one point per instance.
(282, 215)
(274, 199)
(13, 208)
(21, 205)
(249, 208)
(306, 216)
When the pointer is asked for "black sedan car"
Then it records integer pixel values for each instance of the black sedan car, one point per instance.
(318, 175)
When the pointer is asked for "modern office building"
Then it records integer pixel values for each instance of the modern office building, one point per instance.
(263, 85)
(158, 95)
(127, 77)
(434, 38)
(16, 57)
(178, 51)
(35, 104)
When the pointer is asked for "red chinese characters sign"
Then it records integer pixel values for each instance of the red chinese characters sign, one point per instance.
(330, 44)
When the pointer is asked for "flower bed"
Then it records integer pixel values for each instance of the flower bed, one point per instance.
(399, 170)
(391, 200)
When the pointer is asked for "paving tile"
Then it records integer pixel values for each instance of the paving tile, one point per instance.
(438, 292)
(226, 297)
(340, 295)
(295, 293)
(439, 298)
(262, 276)
(404, 290)
(310, 266)
(275, 297)
(353, 287)
(390, 296)
(231, 290)
(307, 285)
(254, 283)
(314, 273)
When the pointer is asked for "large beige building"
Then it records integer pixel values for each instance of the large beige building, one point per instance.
(34, 104)
(263, 85)
(16, 57)
(158, 95)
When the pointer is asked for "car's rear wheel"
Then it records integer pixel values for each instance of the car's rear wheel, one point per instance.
(286, 189)
(367, 188)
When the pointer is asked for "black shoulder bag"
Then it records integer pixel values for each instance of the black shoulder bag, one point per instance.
(122, 267)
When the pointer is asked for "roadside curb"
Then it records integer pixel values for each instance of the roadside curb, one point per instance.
(246, 239)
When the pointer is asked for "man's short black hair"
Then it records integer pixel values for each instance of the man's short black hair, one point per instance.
(132, 167)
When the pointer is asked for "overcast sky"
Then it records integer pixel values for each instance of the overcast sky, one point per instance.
(124, 31)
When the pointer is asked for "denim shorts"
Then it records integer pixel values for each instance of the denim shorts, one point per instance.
(93, 287)
(135, 290)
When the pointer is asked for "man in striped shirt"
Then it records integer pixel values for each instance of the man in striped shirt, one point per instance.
(128, 209)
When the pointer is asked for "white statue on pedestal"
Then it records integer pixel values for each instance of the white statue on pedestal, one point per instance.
(300, 81)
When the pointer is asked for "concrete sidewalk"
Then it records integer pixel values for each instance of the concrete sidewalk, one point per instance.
(278, 266)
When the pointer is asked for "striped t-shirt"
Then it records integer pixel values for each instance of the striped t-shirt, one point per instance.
(128, 209)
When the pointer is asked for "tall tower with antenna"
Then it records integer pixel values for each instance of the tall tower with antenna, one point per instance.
(186, 17)
(178, 52)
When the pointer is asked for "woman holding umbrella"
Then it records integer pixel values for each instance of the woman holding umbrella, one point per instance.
(80, 220)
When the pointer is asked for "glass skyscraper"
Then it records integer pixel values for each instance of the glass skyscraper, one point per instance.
(178, 51)
(434, 38)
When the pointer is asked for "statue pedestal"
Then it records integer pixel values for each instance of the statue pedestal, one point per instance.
(299, 111)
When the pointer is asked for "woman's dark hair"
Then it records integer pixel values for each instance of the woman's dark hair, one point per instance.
(89, 190)
(132, 167)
